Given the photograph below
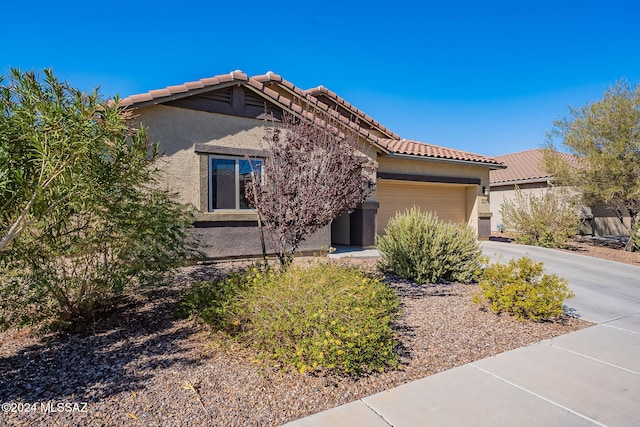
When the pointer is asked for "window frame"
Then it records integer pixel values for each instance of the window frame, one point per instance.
(236, 172)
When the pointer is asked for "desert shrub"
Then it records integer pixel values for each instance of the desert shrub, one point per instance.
(546, 220)
(521, 288)
(62, 277)
(214, 302)
(420, 247)
(320, 317)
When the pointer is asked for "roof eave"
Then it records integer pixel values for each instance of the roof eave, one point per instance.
(492, 166)
(542, 180)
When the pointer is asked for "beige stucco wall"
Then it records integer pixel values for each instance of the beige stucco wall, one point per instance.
(609, 222)
(498, 195)
(184, 171)
(433, 167)
(177, 130)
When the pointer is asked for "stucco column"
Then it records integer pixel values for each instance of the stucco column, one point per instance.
(362, 223)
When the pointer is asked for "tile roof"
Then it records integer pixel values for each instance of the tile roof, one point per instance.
(323, 91)
(416, 148)
(523, 166)
(291, 98)
(170, 92)
(287, 95)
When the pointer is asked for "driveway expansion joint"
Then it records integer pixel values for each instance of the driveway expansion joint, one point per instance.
(376, 412)
(595, 359)
(591, 420)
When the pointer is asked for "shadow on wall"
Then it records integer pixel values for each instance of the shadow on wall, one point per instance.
(610, 222)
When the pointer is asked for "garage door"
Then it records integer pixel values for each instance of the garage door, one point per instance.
(448, 201)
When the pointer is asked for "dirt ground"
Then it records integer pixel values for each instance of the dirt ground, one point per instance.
(611, 254)
(598, 248)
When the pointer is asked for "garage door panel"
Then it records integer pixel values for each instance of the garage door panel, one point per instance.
(448, 202)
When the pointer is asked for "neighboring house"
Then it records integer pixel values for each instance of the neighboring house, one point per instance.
(526, 170)
(207, 129)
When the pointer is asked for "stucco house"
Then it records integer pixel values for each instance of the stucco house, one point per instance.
(212, 125)
(526, 170)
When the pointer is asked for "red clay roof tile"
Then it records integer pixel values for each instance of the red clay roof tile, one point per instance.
(141, 97)
(415, 148)
(159, 93)
(239, 75)
(177, 88)
(209, 81)
(194, 85)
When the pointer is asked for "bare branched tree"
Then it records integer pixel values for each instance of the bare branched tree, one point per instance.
(314, 171)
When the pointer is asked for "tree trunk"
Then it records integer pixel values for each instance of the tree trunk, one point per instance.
(630, 246)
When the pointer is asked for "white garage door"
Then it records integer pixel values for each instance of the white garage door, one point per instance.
(448, 201)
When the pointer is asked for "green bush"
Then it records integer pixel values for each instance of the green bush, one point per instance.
(521, 288)
(546, 220)
(420, 247)
(215, 303)
(311, 318)
(82, 217)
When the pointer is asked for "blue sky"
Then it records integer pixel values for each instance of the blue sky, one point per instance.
(481, 76)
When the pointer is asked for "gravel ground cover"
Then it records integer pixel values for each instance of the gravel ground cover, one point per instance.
(146, 367)
(605, 249)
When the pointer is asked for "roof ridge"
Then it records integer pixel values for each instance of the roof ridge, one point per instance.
(155, 94)
(341, 101)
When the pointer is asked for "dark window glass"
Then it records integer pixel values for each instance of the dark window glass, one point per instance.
(246, 168)
(223, 184)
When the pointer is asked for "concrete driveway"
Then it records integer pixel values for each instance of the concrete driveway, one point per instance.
(605, 290)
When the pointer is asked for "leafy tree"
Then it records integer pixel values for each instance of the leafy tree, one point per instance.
(312, 173)
(38, 152)
(81, 217)
(605, 135)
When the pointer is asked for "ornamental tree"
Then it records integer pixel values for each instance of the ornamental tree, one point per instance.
(605, 135)
(313, 172)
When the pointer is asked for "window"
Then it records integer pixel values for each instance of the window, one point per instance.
(228, 178)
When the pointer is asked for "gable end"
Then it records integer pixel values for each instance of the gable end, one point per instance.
(234, 100)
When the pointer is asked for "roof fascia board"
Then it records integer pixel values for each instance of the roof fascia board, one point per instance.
(429, 178)
(521, 181)
(491, 166)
